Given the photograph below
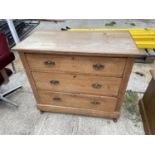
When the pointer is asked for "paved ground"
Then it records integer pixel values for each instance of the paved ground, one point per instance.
(28, 120)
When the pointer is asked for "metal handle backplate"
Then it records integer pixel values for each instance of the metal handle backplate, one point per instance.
(56, 98)
(54, 82)
(98, 66)
(49, 62)
(96, 85)
(95, 102)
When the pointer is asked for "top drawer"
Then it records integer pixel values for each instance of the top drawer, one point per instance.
(79, 64)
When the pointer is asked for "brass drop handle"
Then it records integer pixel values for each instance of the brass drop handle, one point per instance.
(96, 85)
(49, 62)
(98, 66)
(95, 102)
(54, 82)
(56, 98)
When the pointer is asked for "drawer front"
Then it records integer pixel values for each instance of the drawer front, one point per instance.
(91, 65)
(93, 84)
(78, 101)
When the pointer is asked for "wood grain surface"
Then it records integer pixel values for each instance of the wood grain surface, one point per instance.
(77, 83)
(79, 111)
(78, 101)
(96, 43)
(77, 64)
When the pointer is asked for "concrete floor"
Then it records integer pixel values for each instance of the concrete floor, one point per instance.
(28, 120)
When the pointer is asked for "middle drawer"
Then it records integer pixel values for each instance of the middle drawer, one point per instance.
(77, 83)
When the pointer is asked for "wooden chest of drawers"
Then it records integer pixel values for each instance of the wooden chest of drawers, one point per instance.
(79, 72)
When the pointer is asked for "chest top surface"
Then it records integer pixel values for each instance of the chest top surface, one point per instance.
(101, 43)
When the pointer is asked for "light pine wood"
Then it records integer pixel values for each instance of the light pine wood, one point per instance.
(60, 65)
(78, 64)
(78, 101)
(77, 83)
(81, 43)
(29, 75)
(79, 111)
(123, 86)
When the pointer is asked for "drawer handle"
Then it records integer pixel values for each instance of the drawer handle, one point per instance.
(49, 62)
(96, 85)
(98, 66)
(56, 98)
(95, 102)
(54, 82)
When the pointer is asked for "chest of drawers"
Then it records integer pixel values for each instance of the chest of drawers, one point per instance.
(79, 72)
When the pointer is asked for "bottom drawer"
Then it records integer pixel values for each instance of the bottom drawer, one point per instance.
(78, 101)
